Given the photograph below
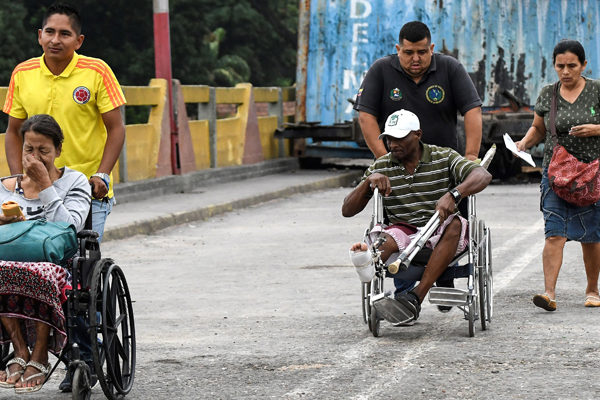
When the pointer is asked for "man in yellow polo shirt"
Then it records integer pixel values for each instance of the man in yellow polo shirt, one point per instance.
(84, 97)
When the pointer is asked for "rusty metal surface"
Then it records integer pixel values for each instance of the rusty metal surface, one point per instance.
(503, 44)
(301, 75)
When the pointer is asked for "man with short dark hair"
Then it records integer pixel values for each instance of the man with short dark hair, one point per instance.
(82, 94)
(416, 180)
(431, 85)
(84, 97)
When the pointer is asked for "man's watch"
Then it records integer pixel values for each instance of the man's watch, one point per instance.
(456, 195)
(105, 178)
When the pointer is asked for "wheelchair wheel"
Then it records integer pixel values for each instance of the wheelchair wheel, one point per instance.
(470, 314)
(481, 274)
(376, 287)
(374, 323)
(489, 287)
(80, 384)
(366, 312)
(113, 339)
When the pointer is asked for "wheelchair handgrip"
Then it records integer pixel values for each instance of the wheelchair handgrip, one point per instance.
(377, 207)
(87, 233)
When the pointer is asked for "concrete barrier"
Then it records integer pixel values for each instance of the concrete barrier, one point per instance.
(205, 141)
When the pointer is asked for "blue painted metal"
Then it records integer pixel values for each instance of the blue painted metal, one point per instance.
(503, 44)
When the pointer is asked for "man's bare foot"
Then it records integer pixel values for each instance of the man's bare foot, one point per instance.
(359, 247)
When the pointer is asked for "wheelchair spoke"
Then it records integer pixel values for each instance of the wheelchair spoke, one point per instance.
(114, 291)
(111, 347)
(108, 306)
(119, 320)
(117, 372)
(120, 368)
(122, 318)
(124, 353)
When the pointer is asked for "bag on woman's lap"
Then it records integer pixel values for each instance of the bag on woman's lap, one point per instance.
(572, 180)
(38, 241)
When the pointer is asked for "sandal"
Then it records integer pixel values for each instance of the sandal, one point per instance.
(16, 360)
(544, 301)
(592, 301)
(44, 371)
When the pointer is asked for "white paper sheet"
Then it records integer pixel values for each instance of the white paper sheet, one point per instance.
(510, 145)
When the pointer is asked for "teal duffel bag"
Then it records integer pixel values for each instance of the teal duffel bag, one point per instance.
(38, 240)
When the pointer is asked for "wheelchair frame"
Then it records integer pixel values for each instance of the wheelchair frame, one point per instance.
(476, 301)
(101, 297)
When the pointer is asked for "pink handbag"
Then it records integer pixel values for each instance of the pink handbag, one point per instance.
(572, 180)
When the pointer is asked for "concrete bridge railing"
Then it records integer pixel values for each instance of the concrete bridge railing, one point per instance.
(206, 139)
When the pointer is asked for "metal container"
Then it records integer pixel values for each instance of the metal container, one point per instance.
(505, 45)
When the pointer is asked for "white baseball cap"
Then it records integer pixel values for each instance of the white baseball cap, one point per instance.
(400, 123)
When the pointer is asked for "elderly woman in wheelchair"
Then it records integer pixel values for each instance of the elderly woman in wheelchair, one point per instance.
(31, 293)
(419, 183)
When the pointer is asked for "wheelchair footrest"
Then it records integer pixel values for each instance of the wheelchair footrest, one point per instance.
(443, 296)
(390, 309)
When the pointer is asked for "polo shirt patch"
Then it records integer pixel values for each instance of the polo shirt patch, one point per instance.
(435, 94)
(81, 95)
(396, 94)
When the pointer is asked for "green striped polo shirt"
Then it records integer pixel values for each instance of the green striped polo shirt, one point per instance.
(414, 196)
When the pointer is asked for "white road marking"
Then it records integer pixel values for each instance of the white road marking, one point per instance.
(515, 267)
(514, 264)
(348, 359)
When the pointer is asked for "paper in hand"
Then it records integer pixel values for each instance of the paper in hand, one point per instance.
(510, 145)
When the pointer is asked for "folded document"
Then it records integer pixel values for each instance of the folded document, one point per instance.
(510, 145)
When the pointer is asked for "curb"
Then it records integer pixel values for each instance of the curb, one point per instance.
(137, 190)
(150, 226)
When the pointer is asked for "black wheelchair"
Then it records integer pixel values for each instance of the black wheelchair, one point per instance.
(100, 297)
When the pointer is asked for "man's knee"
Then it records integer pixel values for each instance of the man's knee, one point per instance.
(453, 230)
(388, 247)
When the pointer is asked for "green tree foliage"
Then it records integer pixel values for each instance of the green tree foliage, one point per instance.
(212, 42)
(14, 48)
(121, 33)
(234, 41)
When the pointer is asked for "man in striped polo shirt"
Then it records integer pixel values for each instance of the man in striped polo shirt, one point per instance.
(416, 180)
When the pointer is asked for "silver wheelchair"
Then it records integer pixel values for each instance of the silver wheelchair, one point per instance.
(474, 264)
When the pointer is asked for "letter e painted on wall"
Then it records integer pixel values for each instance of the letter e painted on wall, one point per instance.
(359, 32)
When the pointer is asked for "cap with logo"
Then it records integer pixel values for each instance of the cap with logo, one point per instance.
(400, 124)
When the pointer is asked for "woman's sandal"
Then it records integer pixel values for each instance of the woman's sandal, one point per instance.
(16, 360)
(592, 301)
(544, 301)
(44, 371)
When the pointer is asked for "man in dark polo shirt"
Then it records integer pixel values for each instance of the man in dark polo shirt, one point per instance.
(433, 86)
(416, 180)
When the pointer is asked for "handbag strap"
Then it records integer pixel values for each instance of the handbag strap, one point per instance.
(553, 108)
(18, 188)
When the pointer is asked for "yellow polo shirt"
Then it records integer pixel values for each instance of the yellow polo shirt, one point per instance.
(77, 98)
